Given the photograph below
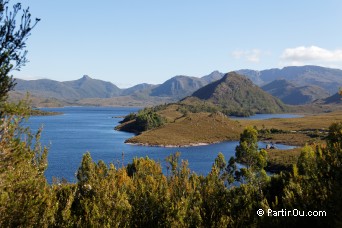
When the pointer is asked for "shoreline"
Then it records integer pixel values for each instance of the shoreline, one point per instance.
(172, 146)
(275, 142)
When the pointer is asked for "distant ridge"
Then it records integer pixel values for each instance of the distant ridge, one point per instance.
(84, 87)
(175, 88)
(289, 93)
(214, 76)
(327, 78)
(182, 86)
(178, 86)
(334, 99)
(304, 85)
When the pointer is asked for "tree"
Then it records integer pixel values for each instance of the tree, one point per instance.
(25, 198)
(247, 151)
(13, 37)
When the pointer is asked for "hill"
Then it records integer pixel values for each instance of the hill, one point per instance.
(46, 88)
(143, 88)
(191, 130)
(237, 94)
(84, 87)
(214, 76)
(289, 93)
(334, 99)
(178, 86)
(87, 87)
(327, 78)
(181, 86)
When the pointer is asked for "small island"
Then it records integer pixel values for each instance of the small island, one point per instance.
(38, 112)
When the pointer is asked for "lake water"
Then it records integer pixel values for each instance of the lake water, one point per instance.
(82, 129)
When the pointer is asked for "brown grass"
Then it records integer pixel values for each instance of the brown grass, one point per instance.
(282, 159)
(295, 139)
(197, 128)
(171, 113)
(309, 122)
(192, 129)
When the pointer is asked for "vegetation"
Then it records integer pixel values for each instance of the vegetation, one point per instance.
(145, 119)
(12, 42)
(141, 195)
(193, 121)
(148, 119)
(191, 129)
(237, 95)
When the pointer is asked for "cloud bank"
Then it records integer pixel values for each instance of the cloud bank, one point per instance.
(311, 55)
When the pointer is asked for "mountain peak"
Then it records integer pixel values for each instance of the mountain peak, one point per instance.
(213, 76)
(86, 77)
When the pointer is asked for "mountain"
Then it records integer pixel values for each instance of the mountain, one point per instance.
(214, 76)
(87, 87)
(289, 93)
(178, 87)
(236, 93)
(84, 87)
(182, 86)
(334, 99)
(140, 88)
(327, 78)
(46, 88)
(252, 75)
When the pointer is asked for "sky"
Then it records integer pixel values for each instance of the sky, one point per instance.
(133, 41)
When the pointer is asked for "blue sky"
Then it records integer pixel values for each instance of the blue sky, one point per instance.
(130, 42)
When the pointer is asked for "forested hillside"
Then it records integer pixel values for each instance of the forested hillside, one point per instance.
(237, 94)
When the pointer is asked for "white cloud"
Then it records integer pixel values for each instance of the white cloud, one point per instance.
(249, 55)
(311, 55)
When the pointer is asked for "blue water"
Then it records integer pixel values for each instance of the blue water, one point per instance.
(82, 129)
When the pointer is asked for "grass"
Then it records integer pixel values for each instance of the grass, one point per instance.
(196, 128)
(294, 139)
(192, 129)
(171, 113)
(320, 122)
(282, 159)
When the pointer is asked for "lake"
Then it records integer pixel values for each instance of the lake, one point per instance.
(82, 129)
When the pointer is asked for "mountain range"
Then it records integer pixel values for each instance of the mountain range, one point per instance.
(327, 78)
(292, 85)
(289, 93)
